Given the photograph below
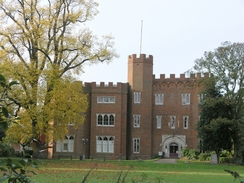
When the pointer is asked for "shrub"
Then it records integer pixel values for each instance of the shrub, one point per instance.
(185, 152)
(193, 154)
(224, 160)
(204, 157)
(237, 161)
(190, 153)
(226, 154)
(156, 156)
(17, 171)
(6, 150)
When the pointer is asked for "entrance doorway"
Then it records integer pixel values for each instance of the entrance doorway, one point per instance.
(173, 150)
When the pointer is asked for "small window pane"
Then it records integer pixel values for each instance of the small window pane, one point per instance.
(172, 121)
(105, 119)
(159, 118)
(136, 121)
(111, 120)
(99, 120)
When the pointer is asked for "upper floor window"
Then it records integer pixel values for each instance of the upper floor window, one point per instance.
(159, 122)
(65, 145)
(136, 121)
(105, 119)
(137, 97)
(186, 99)
(136, 145)
(105, 99)
(172, 121)
(185, 122)
(159, 99)
(200, 97)
(105, 144)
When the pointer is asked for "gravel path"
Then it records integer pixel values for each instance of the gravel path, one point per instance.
(166, 160)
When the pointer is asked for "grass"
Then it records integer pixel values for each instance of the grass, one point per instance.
(73, 171)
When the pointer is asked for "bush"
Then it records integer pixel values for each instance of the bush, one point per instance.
(185, 152)
(190, 153)
(155, 156)
(224, 160)
(6, 150)
(226, 154)
(193, 154)
(237, 161)
(204, 156)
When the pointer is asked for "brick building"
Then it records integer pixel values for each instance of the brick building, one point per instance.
(137, 119)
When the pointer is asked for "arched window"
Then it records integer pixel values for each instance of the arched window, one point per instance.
(66, 145)
(111, 145)
(71, 144)
(105, 144)
(105, 119)
(111, 120)
(99, 120)
(99, 144)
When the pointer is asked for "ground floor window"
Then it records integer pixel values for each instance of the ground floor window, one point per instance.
(159, 119)
(65, 145)
(136, 145)
(105, 144)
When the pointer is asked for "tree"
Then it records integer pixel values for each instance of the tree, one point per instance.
(215, 127)
(7, 115)
(226, 64)
(43, 45)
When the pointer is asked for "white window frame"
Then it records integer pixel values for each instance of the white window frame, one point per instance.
(137, 97)
(172, 122)
(110, 122)
(106, 99)
(105, 144)
(111, 145)
(136, 120)
(159, 99)
(186, 98)
(159, 122)
(185, 122)
(136, 145)
(200, 97)
(99, 142)
(66, 145)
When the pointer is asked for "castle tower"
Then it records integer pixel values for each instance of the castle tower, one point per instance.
(140, 78)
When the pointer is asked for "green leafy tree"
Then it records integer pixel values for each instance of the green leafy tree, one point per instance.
(226, 64)
(216, 126)
(7, 103)
(43, 45)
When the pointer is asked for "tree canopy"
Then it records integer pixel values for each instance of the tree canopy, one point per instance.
(216, 126)
(44, 45)
(226, 65)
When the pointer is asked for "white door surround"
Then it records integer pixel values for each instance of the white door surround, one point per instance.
(170, 141)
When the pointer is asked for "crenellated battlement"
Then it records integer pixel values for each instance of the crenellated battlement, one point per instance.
(182, 77)
(141, 58)
(177, 81)
(105, 87)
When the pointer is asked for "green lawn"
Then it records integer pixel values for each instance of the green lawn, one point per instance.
(73, 171)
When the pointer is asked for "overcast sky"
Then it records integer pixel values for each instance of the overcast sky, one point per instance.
(175, 32)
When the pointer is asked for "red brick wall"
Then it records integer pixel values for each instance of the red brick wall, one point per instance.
(140, 79)
(119, 108)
